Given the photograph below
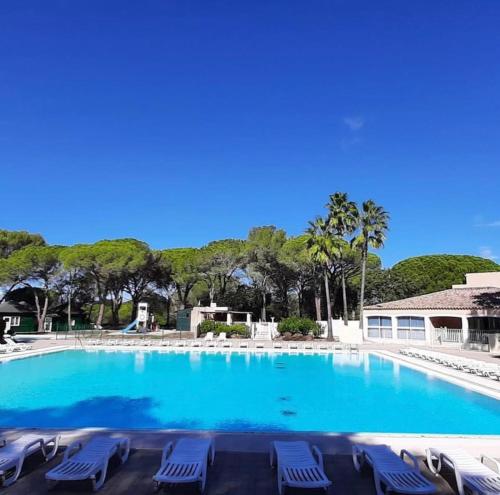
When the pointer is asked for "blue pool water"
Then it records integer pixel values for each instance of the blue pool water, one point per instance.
(236, 392)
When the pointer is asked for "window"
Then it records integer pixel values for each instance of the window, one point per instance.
(380, 327)
(15, 321)
(411, 328)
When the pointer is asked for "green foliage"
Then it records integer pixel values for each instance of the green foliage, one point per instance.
(217, 327)
(440, 271)
(387, 285)
(219, 261)
(293, 325)
(11, 241)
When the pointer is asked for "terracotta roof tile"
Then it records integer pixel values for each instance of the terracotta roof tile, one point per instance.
(463, 298)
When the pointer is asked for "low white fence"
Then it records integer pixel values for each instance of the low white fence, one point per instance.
(448, 336)
(477, 339)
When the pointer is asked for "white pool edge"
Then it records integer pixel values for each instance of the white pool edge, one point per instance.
(481, 385)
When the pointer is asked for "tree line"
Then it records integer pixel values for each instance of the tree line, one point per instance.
(325, 273)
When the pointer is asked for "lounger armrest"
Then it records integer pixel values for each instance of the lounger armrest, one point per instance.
(3, 442)
(166, 451)
(413, 459)
(491, 463)
(72, 449)
(319, 455)
(28, 446)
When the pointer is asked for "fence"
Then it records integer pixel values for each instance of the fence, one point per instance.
(478, 339)
(448, 336)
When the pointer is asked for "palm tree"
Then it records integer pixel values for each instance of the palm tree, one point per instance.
(320, 243)
(343, 220)
(373, 225)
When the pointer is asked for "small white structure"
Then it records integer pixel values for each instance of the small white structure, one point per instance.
(217, 313)
(142, 314)
(465, 314)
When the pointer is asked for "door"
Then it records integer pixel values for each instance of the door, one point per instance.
(47, 324)
(8, 321)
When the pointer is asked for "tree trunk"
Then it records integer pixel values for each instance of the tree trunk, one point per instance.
(69, 311)
(100, 315)
(135, 305)
(328, 308)
(263, 305)
(44, 313)
(38, 312)
(317, 301)
(300, 298)
(362, 291)
(344, 299)
(169, 302)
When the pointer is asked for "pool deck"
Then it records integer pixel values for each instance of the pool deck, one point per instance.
(242, 462)
(241, 465)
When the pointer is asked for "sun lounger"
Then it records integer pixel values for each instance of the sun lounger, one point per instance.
(17, 346)
(186, 462)
(470, 473)
(390, 472)
(90, 461)
(298, 465)
(13, 454)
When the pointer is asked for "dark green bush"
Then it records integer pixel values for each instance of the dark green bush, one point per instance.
(294, 325)
(218, 327)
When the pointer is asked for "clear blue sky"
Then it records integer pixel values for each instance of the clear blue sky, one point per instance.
(180, 122)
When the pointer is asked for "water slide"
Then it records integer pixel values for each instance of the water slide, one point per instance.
(129, 327)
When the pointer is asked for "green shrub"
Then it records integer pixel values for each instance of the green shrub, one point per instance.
(218, 327)
(294, 325)
(208, 326)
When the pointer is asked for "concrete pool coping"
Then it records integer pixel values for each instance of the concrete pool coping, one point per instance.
(475, 383)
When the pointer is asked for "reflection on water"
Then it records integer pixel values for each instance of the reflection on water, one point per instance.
(139, 362)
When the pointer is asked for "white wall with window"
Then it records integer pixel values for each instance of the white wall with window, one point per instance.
(379, 327)
(397, 327)
(411, 327)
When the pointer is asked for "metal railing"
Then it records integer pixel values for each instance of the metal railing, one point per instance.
(448, 335)
(478, 337)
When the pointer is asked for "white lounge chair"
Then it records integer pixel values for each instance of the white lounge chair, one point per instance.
(470, 473)
(209, 336)
(13, 454)
(186, 462)
(17, 346)
(90, 461)
(390, 472)
(297, 466)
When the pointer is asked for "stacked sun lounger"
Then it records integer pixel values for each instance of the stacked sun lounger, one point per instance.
(473, 366)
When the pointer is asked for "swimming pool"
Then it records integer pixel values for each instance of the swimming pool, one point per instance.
(236, 392)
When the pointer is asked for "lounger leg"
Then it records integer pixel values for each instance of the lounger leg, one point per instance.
(357, 458)
(281, 486)
(378, 484)
(50, 455)
(13, 477)
(157, 486)
(124, 450)
(98, 481)
(271, 455)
